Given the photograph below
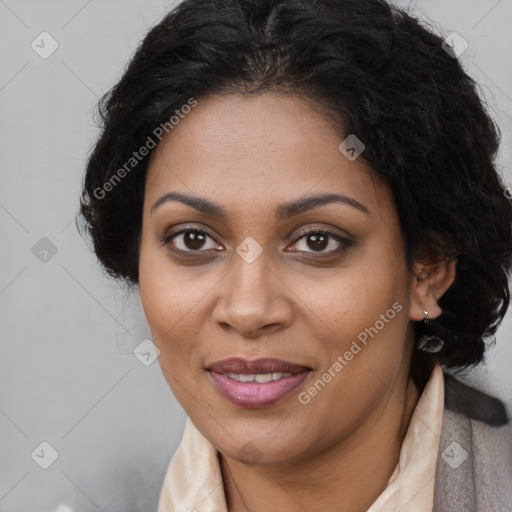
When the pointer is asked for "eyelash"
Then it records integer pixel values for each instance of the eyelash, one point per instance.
(345, 243)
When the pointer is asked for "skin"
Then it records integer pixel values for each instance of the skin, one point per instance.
(297, 301)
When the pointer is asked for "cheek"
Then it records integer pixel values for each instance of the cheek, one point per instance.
(367, 342)
(168, 307)
(363, 317)
(353, 300)
(168, 302)
(166, 291)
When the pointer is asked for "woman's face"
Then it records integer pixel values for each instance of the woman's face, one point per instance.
(332, 308)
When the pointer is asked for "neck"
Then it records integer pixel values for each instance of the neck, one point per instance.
(354, 472)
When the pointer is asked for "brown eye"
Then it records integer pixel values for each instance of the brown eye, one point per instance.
(317, 241)
(190, 240)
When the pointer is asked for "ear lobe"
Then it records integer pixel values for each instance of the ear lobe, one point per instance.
(429, 284)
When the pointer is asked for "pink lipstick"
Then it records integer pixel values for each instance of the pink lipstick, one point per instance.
(258, 383)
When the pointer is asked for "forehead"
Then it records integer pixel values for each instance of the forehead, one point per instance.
(242, 148)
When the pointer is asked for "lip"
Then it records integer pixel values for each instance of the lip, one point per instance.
(255, 394)
(263, 365)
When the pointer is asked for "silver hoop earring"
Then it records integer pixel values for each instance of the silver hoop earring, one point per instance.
(425, 316)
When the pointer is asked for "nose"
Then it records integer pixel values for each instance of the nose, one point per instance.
(253, 299)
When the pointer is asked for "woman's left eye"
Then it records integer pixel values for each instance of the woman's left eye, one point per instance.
(196, 240)
(318, 240)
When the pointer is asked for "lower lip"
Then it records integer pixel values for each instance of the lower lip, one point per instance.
(254, 394)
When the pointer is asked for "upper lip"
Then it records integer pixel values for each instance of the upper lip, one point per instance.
(265, 365)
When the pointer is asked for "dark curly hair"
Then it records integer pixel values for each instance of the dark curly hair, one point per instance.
(377, 72)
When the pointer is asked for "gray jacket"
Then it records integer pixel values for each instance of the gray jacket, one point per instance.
(474, 465)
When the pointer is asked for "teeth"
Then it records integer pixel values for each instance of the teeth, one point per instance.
(261, 378)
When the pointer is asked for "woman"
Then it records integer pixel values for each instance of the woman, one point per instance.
(305, 196)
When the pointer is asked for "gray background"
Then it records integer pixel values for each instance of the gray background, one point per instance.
(69, 376)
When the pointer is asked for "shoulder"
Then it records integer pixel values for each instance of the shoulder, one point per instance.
(473, 403)
(481, 422)
(474, 468)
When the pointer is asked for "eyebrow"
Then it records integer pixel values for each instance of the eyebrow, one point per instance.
(283, 211)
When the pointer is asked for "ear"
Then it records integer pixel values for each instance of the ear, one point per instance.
(430, 281)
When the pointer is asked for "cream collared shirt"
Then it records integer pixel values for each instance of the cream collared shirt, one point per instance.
(193, 482)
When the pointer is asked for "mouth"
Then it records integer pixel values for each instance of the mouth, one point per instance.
(258, 383)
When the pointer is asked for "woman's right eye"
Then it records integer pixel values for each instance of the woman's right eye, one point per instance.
(189, 240)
